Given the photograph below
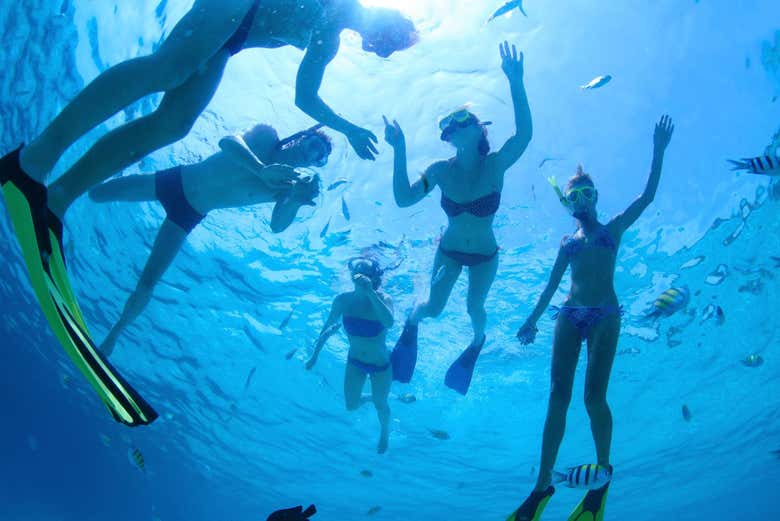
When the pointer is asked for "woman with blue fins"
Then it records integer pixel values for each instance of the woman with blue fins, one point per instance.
(469, 239)
(251, 169)
(366, 314)
(590, 313)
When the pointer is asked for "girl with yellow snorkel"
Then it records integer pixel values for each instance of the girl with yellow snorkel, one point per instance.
(591, 312)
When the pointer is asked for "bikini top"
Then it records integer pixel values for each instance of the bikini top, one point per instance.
(572, 246)
(237, 41)
(482, 207)
(356, 326)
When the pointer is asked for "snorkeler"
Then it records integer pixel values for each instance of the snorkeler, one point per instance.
(367, 314)
(188, 67)
(591, 312)
(252, 169)
(469, 240)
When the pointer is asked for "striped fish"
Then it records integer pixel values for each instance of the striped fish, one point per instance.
(670, 302)
(136, 459)
(589, 476)
(766, 165)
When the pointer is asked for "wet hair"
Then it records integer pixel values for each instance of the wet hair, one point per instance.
(374, 272)
(580, 178)
(484, 145)
(389, 31)
(298, 138)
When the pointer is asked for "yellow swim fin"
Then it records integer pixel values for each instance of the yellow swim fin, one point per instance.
(591, 508)
(533, 506)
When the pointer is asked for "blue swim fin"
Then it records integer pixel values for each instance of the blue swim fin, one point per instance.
(460, 372)
(404, 355)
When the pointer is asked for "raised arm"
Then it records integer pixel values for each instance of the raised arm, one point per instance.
(307, 87)
(661, 137)
(527, 332)
(512, 65)
(332, 325)
(405, 193)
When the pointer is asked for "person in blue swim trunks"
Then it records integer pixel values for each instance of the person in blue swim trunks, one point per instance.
(590, 313)
(251, 169)
(471, 184)
(366, 314)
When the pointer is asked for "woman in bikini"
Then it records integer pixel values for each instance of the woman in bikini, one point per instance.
(469, 239)
(188, 67)
(367, 314)
(591, 312)
(255, 168)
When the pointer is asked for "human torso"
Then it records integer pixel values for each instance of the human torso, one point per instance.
(369, 349)
(286, 22)
(470, 198)
(592, 259)
(218, 182)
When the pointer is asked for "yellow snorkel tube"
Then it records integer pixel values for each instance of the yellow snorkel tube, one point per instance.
(558, 192)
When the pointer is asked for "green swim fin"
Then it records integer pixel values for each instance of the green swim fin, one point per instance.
(533, 506)
(25, 200)
(591, 508)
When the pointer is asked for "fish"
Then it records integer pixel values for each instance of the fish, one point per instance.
(66, 381)
(589, 476)
(753, 360)
(366, 473)
(136, 458)
(718, 275)
(289, 355)
(324, 231)
(670, 302)
(776, 453)
(720, 316)
(249, 378)
(105, 440)
(439, 434)
(596, 82)
(546, 159)
(407, 398)
(344, 209)
(338, 182)
(686, 413)
(692, 262)
(776, 260)
(373, 510)
(766, 165)
(507, 7)
(287, 319)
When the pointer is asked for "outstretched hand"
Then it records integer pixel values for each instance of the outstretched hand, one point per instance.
(511, 62)
(362, 142)
(279, 176)
(663, 133)
(393, 133)
(527, 334)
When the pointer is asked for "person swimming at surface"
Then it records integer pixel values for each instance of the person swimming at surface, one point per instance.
(251, 169)
(188, 67)
(590, 313)
(367, 314)
(471, 184)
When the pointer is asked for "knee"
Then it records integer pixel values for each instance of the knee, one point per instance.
(352, 404)
(475, 309)
(381, 405)
(560, 395)
(434, 309)
(595, 402)
(173, 125)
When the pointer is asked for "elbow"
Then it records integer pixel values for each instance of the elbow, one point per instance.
(303, 100)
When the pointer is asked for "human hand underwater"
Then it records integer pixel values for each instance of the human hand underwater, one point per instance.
(362, 142)
(511, 62)
(663, 133)
(362, 283)
(527, 333)
(393, 133)
(278, 176)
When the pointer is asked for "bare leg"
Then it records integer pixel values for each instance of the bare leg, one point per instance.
(198, 36)
(166, 246)
(127, 144)
(481, 278)
(354, 380)
(602, 345)
(445, 273)
(128, 188)
(566, 351)
(380, 389)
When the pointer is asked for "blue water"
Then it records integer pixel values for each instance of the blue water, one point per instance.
(220, 452)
